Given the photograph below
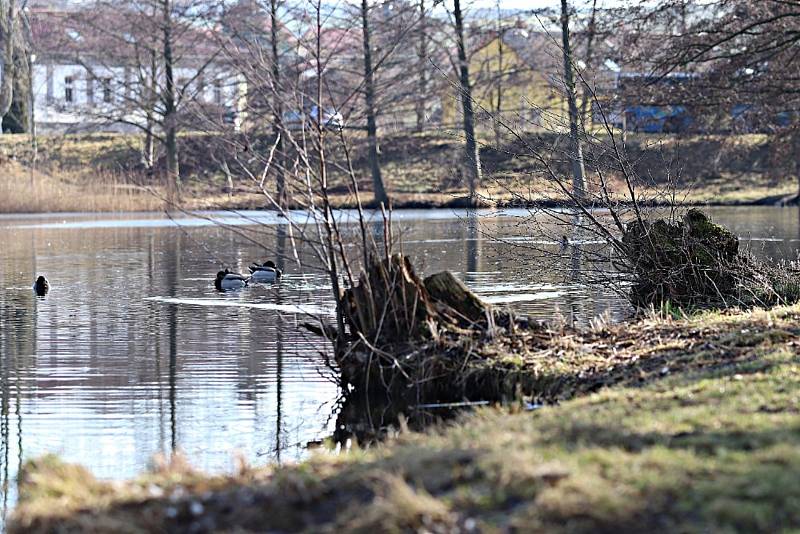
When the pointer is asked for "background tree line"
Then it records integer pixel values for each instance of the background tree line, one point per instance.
(405, 65)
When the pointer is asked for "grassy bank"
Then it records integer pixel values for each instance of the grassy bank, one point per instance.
(666, 425)
(420, 170)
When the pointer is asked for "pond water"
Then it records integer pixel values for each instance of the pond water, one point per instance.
(133, 353)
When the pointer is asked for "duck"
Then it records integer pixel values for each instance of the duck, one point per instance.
(267, 272)
(227, 280)
(41, 286)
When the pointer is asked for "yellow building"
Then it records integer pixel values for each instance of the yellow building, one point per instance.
(519, 71)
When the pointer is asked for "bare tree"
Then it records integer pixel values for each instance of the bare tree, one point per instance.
(422, 54)
(576, 152)
(379, 191)
(169, 100)
(588, 58)
(9, 39)
(472, 154)
(277, 106)
(498, 108)
(736, 61)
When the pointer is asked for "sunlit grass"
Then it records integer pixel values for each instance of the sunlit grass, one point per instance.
(24, 192)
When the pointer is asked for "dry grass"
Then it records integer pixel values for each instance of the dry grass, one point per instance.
(70, 191)
(420, 170)
(702, 436)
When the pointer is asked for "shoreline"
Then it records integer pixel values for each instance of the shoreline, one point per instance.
(776, 201)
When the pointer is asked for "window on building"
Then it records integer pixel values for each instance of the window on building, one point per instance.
(201, 87)
(126, 83)
(218, 92)
(49, 82)
(89, 89)
(182, 88)
(108, 94)
(69, 96)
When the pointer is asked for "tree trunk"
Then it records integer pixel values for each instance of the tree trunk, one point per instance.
(173, 171)
(379, 192)
(8, 30)
(16, 120)
(277, 105)
(500, 68)
(591, 33)
(32, 119)
(422, 54)
(576, 150)
(796, 158)
(332, 268)
(472, 154)
(148, 151)
(461, 303)
(390, 304)
(170, 112)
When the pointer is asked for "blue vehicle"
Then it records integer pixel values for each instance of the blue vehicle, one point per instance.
(658, 119)
(749, 118)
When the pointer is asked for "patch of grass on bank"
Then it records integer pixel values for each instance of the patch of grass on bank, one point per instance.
(420, 170)
(41, 192)
(701, 435)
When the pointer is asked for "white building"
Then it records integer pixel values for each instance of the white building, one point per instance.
(74, 98)
(77, 87)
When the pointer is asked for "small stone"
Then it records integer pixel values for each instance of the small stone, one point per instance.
(196, 508)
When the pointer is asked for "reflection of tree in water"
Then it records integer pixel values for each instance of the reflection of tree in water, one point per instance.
(280, 251)
(369, 419)
(10, 371)
(573, 301)
(473, 244)
(154, 326)
(171, 270)
(18, 329)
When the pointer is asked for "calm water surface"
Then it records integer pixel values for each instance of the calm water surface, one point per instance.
(133, 353)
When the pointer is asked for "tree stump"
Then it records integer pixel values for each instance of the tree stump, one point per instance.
(688, 262)
(390, 304)
(451, 295)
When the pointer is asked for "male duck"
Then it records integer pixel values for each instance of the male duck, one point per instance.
(41, 287)
(227, 280)
(265, 273)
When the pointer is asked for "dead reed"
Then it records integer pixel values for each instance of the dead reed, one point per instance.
(23, 191)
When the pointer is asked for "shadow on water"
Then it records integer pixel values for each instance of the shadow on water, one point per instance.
(369, 419)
